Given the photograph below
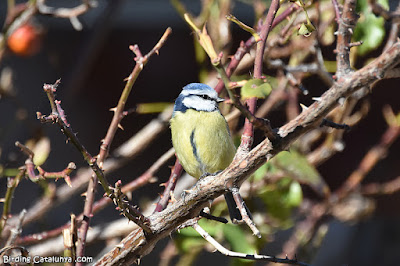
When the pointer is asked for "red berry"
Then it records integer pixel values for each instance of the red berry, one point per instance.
(24, 41)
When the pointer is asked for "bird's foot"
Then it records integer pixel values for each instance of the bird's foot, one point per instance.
(204, 175)
(212, 174)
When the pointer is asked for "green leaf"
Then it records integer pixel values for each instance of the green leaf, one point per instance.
(211, 227)
(261, 172)
(369, 29)
(362, 5)
(264, 170)
(306, 29)
(7, 172)
(256, 88)
(328, 36)
(238, 241)
(41, 151)
(188, 239)
(330, 66)
(149, 108)
(188, 243)
(297, 167)
(189, 232)
(280, 198)
(295, 195)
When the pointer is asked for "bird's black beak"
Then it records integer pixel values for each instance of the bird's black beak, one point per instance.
(220, 100)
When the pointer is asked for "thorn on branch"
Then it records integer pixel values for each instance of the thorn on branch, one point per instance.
(25, 149)
(303, 107)
(353, 44)
(131, 212)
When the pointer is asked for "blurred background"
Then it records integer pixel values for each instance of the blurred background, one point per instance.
(93, 63)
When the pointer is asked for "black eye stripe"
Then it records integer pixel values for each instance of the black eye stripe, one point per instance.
(206, 97)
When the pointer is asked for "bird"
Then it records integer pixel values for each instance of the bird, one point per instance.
(201, 136)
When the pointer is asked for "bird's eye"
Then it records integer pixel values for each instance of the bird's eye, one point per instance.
(205, 97)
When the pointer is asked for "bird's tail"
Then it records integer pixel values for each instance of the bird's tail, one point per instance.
(234, 212)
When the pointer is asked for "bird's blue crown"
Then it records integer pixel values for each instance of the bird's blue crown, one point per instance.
(193, 90)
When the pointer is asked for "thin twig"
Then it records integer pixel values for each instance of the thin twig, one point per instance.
(138, 182)
(25, 149)
(304, 230)
(245, 47)
(374, 155)
(141, 61)
(130, 212)
(13, 22)
(387, 188)
(15, 232)
(248, 132)
(176, 172)
(62, 12)
(234, 254)
(244, 212)
(337, 11)
(12, 183)
(59, 118)
(69, 240)
(346, 25)
(394, 31)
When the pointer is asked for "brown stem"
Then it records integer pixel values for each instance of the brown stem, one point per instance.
(346, 25)
(141, 61)
(374, 155)
(337, 11)
(244, 212)
(169, 187)
(12, 183)
(145, 178)
(122, 155)
(374, 189)
(248, 133)
(245, 47)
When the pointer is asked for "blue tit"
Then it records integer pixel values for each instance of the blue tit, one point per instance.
(200, 135)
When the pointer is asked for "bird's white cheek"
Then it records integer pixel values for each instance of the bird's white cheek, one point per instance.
(199, 104)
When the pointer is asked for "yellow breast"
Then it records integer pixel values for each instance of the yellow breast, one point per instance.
(202, 141)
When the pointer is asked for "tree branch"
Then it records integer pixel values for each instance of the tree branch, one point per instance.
(137, 244)
(233, 254)
(346, 25)
(141, 61)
